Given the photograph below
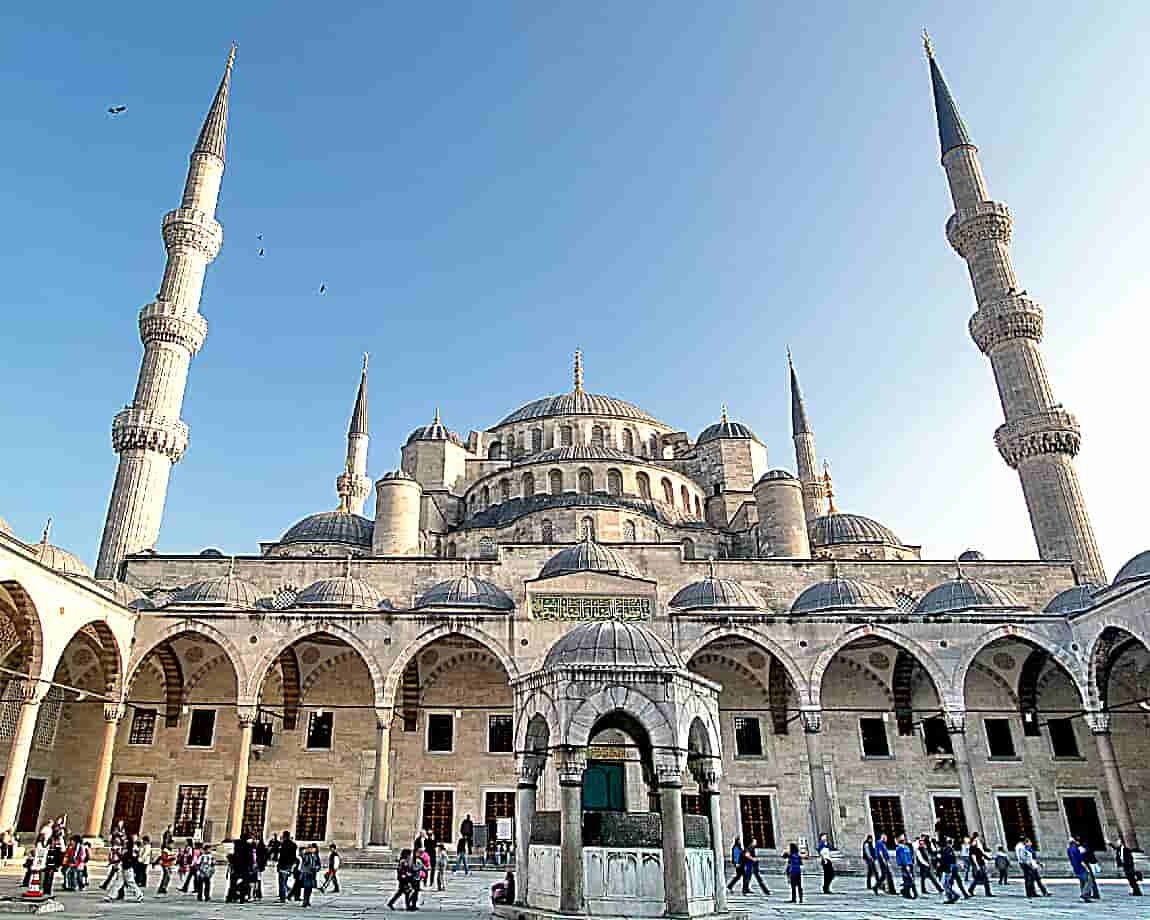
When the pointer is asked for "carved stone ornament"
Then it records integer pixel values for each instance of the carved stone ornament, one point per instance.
(987, 221)
(1014, 317)
(529, 767)
(1099, 722)
(669, 768)
(955, 721)
(572, 765)
(114, 712)
(1054, 431)
(812, 720)
(187, 228)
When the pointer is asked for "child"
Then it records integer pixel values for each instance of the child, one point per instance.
(1002, 864)
(332, 874)
(441, 863)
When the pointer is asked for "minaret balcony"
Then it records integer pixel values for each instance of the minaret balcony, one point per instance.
(187, 228)
(1015, 316)
(986, 221)
(138, 429)
(1054, 431)
(162, 321)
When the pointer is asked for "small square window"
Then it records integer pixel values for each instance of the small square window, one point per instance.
(500, 735)
(1063, 740)
(143, 729)
(935, 737)
(202, 728)
(440, 733)
(748, 738)
(999, 741)
(262, 733)
(874, 740)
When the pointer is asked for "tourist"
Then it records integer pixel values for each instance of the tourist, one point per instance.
(263, 857)
(309, 867)
(751, 868)
(1124, 860)
(71, 855)
(143, 862)
(53, 861)
(331, 877)
(285, 863)
(827, 861)
(1036, 865)
(167, 838)
(430, 848)
(7, 847)
(240, 872)
(794, 872)
(948, 863)
(1002, 864)
(504, 892)
(1075, 853)
(1090, 859)
(885, 883)
(737, 862)
(166, 860)
(461, 856)
(403, 877)
(441, 867)
(129, 889)
(924, 860)
(204, 869)
(904, 859)
(184, 860)
(868, 855)
(467, 832)
(978, 873)
(114, 851)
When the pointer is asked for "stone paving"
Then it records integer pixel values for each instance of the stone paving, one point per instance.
(366, 892)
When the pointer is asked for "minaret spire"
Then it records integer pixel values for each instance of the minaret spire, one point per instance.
(352, 485)
(814, 488)
(1040, 438)
(579, 372)
(149, 435)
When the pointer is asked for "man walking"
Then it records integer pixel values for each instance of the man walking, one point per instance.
(948, 863)
(904, 858)
(824, 851)
(922, 859)
(1074, 853)
(737, 862)
(332, 876)
(751, 867)
(885, 883)
(1124, 858)
(868, 855)
(285, 864)
(978, 866)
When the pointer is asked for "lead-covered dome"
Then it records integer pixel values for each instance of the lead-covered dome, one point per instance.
(1136, 569)
(125, 594)
(964, 593)
(840, 527)
(465, 591)
(1073, 600)
(842, 594)
(223, 591)
(612, 643)
(340, 527)
(581, 452)
(725, 428)
(344, 591)
(436, 431)
(579, 403)
(716, 594)
(60, 560)
(772, 475)
(588, 556)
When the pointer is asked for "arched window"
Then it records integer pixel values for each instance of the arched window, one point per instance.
(547, 532)
(628, 441)
(644, 484)
(528, 485)
(566, 436)
(495, 451)
(614, 482)
(587, 529)
(698, 508)
(504, 489)
(487, 548)
(450, 550)
(556, 478)
(668, 491)
(485, 497)
(629, 531)
(688, 548)
(597, 436)
(655, 452)
(536, 439)
(686, 499)
(584, 482)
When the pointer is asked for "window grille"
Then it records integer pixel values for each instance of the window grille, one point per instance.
(143, 730)
(756, 820)
(311, 814)
(191, 804)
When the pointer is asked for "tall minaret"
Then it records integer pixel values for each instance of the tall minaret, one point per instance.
(814, 489)
(1040, 438)
(148, 435)
(352, 485)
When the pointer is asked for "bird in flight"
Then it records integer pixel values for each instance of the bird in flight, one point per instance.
(117, 109)
(323, 288)
(261, 252)
(259, 236)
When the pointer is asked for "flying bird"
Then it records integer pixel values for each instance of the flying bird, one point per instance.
(323, 288)
(259, 236)
(117, 109)
(261, 252)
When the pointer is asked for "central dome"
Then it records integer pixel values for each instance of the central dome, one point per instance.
(579, 403)
(588, 556)
(612, 643)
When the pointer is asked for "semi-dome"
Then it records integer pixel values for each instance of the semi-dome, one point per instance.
(725, 428)
(971, 555)
(125, 594)
(344, 591)
(588, 556)
(838, 593)
(60, 560)
(772, 475)
(716, 593)
(465, 591)
(436, 431)
(1136, 569)
(581, 452)
(578, 403)
(840, 527)
(964, 593)
(222, 591)
(1073, 600)
(612, 643)
(341, 527)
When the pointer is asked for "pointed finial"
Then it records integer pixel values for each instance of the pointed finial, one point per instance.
(365, 362)
(725, 419)
(214, 134)
(957, 569)
(579, 372)
(790, 361)
(927, 44)
(232, 55)
(711, 567)
(47, 530)
(834, 568)
(231, 566)
(348, 572)
(436, 422)
(830, 487)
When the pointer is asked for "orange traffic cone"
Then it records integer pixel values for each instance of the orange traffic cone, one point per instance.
(34, 892)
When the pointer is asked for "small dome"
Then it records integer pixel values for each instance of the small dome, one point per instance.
(211, 553)
(726, 429)
(345, 591)
(578, 403)
(398, 474)
(1134, 570)
(612, 643)
(588, 556)
(771, 475)
(964, 593)
(581, 452)
(126, 595)
(60, 560)
(340, 527)
(838, 527)
(1073, 600)
(842, 594)
(436, 431)
(465, 591)
(716, 593)
(223, 591)
(970, 555)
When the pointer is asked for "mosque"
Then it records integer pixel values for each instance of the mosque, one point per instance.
(365, 675)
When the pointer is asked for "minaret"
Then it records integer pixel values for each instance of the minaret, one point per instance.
(1040, 438)
(352, 485)
(148, 435)
(814, 489)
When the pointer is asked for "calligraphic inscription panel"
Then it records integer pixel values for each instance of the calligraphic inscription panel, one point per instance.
(584, 607)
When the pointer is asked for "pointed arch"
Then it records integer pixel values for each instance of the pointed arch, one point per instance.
(196, 629)
(1035, 640)
(103, 643)
(1112, 639)
(288, 663)
(528, 735)
(17, 604)
(930, 664)
(173, 683)
(336, 631)
(752, 635)
(618, 698)
(390, 683)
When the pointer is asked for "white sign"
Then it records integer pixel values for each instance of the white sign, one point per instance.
(503, 829)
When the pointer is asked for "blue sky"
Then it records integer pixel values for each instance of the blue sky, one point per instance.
(681, 190)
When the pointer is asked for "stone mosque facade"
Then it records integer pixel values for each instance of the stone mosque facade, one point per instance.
(358, 678)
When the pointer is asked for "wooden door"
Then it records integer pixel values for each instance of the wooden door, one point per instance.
(129, 806)
(30, 807)
(1084, 822)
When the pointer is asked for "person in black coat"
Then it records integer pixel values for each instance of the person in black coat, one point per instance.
(286, 863)
(1124, 858)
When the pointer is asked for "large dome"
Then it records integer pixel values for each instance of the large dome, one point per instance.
(1134, 570)
(588, 556)
(964, 593)
(345, 591)
(837, 527)
(579, 403)
(341, 527)
(465, 591)
(581, 452)
(842, 594)
(612, 643)
(224, 591)
(716, 594)
(1073, 600)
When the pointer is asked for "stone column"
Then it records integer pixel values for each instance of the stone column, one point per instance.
(1099, 723)
(17, 768)
(572, 764)
(669, 772)
(379, 779)
(707, 776)
(247, 718)
(528, 766)
(956, 727)
(113, 713)
(812, 720)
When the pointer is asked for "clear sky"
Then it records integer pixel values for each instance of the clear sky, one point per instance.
(681, 190)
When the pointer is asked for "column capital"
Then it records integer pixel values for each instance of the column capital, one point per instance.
(1098, 720)
(114, 712)
(528, 767)
(572, 763)
(384, 715)
(812, 720)
(955, 720)
(26, 691)
(247, 714)
(669, 767)
(707, 772)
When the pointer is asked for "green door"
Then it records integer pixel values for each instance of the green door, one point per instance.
(603, 786)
